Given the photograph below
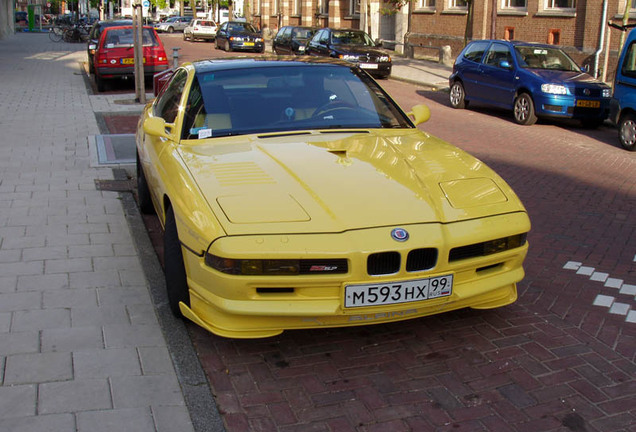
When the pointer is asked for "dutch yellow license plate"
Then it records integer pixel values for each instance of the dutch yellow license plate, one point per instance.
(129, 61)
(588, 104)
(248, 43)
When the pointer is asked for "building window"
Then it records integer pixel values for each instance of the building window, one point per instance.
(514, 4)
(554, 37)
(560, 4)
(426, 4)
(354, 7)
(509, 33)
(458, 4)
(324, 7)
(297, 7)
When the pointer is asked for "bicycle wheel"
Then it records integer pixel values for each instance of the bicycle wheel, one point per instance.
(55, 34)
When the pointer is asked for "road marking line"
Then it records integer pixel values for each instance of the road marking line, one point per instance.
(614, 307)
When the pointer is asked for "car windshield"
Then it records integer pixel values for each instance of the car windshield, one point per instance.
(239, 27)
(124, 38)
(340, 37)
(286, 98)
(545, 58)
(302, 33)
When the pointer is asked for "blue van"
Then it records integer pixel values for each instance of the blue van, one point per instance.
(623, 103)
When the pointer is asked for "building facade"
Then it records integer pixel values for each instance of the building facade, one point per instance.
(423, 27)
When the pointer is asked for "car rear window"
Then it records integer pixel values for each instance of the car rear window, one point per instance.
(206, 23)
(123, 38)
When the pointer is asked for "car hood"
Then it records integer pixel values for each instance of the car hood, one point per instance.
(358, 49)
(556, 76)
(333, 182)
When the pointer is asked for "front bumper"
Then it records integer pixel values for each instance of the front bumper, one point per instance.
(241, 46)
(263, 306)
(558, 106)
(121, 71)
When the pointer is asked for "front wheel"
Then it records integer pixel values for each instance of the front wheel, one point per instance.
(524, 110)
(173, 266)
(457, 96)
(170, 29)
(56, 34)
(627, 131)
(227, 46)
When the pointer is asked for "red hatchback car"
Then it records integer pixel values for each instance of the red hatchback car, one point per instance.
(114, 57)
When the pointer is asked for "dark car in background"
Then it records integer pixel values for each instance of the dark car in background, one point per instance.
(239, 36)
(292, 40)
(94, 35)
(352, 45)
(114, 56)
(533, 80)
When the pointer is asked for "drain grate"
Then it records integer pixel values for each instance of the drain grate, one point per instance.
(115, 149)
(115, 185)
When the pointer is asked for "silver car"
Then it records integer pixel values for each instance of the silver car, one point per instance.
(173, 24)
(200, 29)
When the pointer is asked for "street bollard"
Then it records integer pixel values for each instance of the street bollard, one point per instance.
(175, 57)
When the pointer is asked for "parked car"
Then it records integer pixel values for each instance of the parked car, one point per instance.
(114, 56)
(95, 34)
(533, 80)
(200, 29)
(239, 36)
(352, 45)
(292, 40)
(297, 194)
(173, 24)
(623, 103)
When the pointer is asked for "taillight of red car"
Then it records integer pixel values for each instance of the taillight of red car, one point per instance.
(155, 55)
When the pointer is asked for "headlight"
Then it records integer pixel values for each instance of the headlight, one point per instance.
(607, 93)
(348, 57)
(554, 89)
(253, 266)
(236, 38)
(384, 59)
(258, 40)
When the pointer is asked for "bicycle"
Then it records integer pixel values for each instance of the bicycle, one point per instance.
(56, 33)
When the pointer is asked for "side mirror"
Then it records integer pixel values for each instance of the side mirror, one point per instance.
(157, 126)
(586, 69)
(420, 114)
(504, 64)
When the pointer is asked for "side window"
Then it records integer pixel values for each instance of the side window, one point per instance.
(324, 37)
(167, 105)
(496, 54)
(287, 33)
(475, 51)
(628, 67)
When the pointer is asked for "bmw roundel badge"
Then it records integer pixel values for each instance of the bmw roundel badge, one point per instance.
(399, 234)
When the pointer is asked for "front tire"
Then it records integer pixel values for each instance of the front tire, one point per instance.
(627, 131)
(173, 266)
(171, 30)
(227, 47)
(457, 96)
(524, 110)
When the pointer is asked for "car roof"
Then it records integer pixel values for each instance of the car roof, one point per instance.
(518, 43)
(203, 66)
(125, 27)
(117, 22)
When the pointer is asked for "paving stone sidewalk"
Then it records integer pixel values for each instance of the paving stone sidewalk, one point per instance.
(81, 348)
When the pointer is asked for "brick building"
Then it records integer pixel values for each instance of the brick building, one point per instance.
(427, 25)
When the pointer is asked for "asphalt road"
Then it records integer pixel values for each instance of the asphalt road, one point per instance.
(562, 358)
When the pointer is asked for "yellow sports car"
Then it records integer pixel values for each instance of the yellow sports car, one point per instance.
(295, 193)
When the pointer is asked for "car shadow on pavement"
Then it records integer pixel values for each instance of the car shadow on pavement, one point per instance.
(606, 133)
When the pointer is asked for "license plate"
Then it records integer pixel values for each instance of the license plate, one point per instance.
(588, 104)
(248, 43)
(398, 292)
(368, 66)
(128, 61)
